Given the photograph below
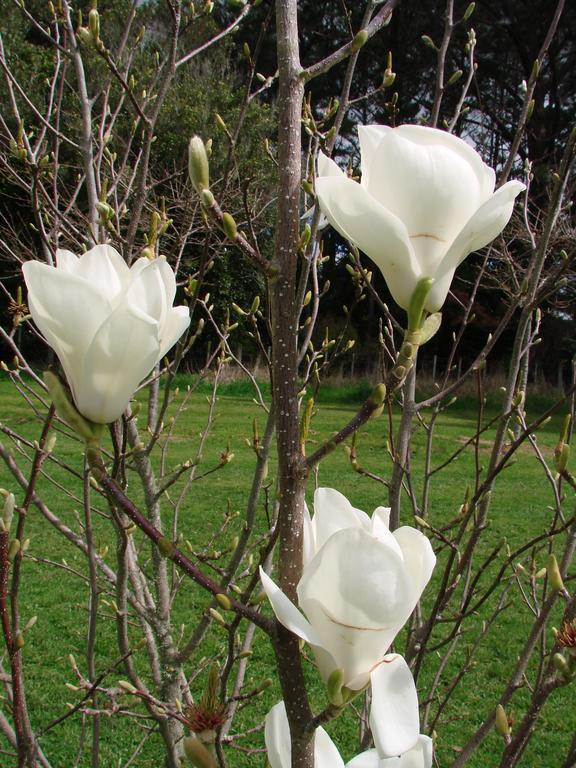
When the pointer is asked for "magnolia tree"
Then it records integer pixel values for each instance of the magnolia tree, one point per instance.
(371, 620)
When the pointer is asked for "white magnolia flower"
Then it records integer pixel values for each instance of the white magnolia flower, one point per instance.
(326, 755)
(277, 738)
(359, 585)
(419, 756)
(426, 200)
(108, 324)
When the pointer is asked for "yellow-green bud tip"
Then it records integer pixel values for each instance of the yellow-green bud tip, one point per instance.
(360, 39)
(197, 753)
(501, 721)
(334, 687)
(229, 226)
(198, 166)
(378, 395)
(554, 573)
(224, 602)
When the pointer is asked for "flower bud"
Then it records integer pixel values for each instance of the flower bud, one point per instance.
(198, 166)
(94, 23)
(7, 512)
(430, 326)
(84, 35)
(165, 547)
(229, 226)
(217, 616)
(224, 601)
(13, 549)
(561, 457)
(126, 686)
(554, 574)
(207, 198)
(454, 77)
(501, 722)
(378, 395)
(389, 78)
(360, 40)
(307, 187)
(469, 11)
(105, 210)
(562, 666)
(197, 753)
(305, 237)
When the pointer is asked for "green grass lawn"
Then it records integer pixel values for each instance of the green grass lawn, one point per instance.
(54, 586)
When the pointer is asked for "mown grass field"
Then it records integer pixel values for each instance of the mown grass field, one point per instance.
(54, 579)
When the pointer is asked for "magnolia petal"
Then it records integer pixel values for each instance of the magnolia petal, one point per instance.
(279, 749)
(420, 756)
(168, 278)
(105, 386)
(177, 321)
(354, 593)
(333, 512)
(66, 260)
(277, 737)
(418, 555)
(383, 515)
(363, 221)
(104, 267)
(429, 187)
(147, 292)
(369, 759)
(361, 580)
(486, 224)
(355, 649)
(327, 166)
(308, 537)
(287, 613)
(370, 137)
(394, 717)
(381, 531)
(84, 303)
(325, 753)
(425, 136)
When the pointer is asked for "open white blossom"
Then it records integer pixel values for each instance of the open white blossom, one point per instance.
(326, 754)
(279, 750)
(425, 201)
(359, 585)
(108, 324)
(420, 756)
